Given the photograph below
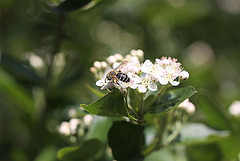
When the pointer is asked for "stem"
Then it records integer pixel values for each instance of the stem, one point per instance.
(130, 109)
(179, 126)
(57, 43)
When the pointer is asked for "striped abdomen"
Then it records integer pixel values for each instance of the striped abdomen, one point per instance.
(123, 77)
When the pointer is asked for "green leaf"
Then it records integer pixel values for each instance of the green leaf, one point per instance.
(111, 105)
(94, 91)
(15, 92)
(126, 141)
(99, 128)
(84, 152)
(134, 98)
(206, 152)
(215, 116)
(206, 134)
(171, 99)
(70, 5)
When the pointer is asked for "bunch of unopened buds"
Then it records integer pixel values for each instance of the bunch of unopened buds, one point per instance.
(131, 72)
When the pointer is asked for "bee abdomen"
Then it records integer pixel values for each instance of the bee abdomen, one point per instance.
(123, 77)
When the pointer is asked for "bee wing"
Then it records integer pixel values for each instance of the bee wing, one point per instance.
(122, 65)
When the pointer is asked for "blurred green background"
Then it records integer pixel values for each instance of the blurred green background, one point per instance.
(46, 54)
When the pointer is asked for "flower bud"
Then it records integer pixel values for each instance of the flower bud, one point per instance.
(234, 108)
(74, 124)
(188, 106)
(111, 59)
(97, 65)
(184, 75)
(118, 57)
(104, 65)
(64, 128)
(93, 70)
(128, 57)
(87, 119)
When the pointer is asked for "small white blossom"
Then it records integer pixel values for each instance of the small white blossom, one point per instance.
(147, 66)
(169, 70)
(118, 57)
(105, 84)
(74, 124)
(111, 59)
(72, 113)
(137, 53)
(188, 106)
(87, 119)
(234, 108)
(104, 65)
(147, 83)
(64, 128)
(184, 75)
(133, 65)
(97, 65)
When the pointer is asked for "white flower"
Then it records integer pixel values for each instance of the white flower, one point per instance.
(133, 65)
(147, 66)
(234, 108)
(137, 53)
(64, 128)
(87, 119)
(169, 71)
(72, 112)
(105, 84)
(74, 124)
(147, 83)
(189, 107)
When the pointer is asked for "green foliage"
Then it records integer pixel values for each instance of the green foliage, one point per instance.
(112, 104)
(126, 141)
(70, 5)
(171, 99)
(85, 152)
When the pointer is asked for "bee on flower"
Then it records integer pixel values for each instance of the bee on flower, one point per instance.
(129, 72)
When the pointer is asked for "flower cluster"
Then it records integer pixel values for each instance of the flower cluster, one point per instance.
(143, 76)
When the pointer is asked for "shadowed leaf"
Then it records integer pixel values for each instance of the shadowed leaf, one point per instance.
(171, 99)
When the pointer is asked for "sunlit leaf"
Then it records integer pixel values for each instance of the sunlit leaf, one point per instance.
(99, 128)
(84, 152)
(126, 141)
(112, 105)
(171, 99)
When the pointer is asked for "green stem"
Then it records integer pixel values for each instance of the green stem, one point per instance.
(129, 110)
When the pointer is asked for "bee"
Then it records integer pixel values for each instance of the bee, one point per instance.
(117, 75)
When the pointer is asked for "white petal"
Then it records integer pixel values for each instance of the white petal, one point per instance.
(99, 83)
(147, 65)
(142, 89)
(175, 83)
(184, 75)
(133, 86)
(152, 87)
(162, 81)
